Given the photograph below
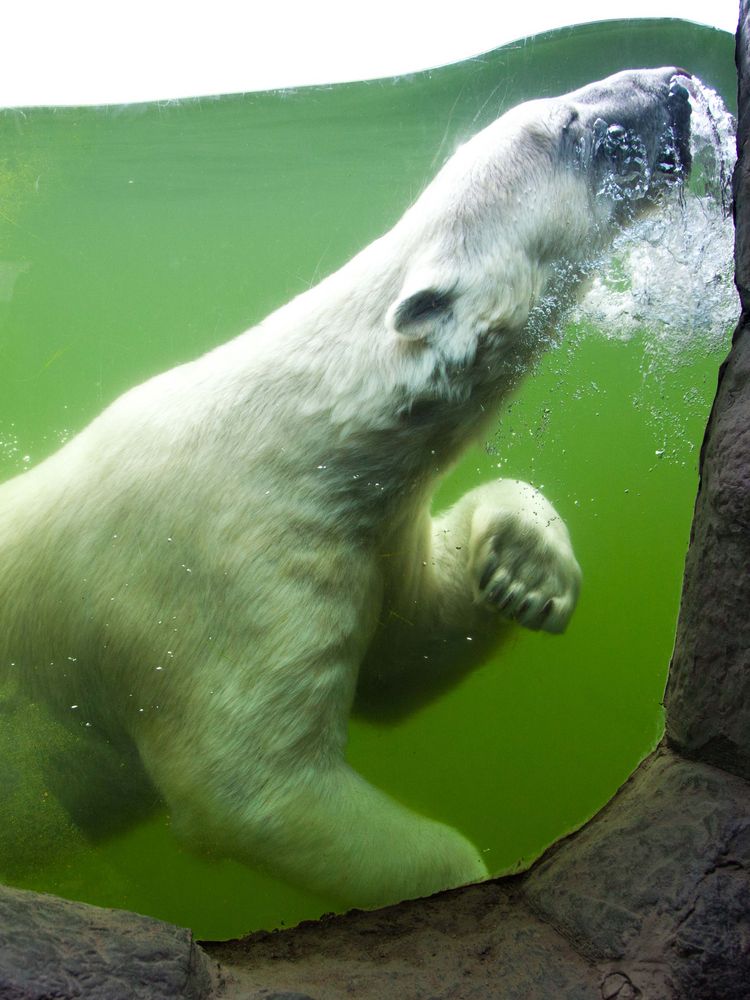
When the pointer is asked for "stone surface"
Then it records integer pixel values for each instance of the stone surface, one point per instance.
(480, 942)
(708, 695)
(662, 875)
(646, 857)
(51, 948)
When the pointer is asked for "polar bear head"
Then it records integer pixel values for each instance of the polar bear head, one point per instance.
(536, 195)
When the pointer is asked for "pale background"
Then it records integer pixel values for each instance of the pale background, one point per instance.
(84, 52)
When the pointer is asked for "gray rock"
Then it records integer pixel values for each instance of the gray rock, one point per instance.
(51, 948)
(643, 880)
(708, 695)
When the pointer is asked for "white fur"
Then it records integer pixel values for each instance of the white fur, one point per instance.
(233, 552)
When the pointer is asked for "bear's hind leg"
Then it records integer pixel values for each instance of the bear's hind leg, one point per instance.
(270, 788)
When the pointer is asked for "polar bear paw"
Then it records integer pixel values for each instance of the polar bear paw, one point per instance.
(521, 558)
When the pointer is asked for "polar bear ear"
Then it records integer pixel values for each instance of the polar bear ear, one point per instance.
(418, 315)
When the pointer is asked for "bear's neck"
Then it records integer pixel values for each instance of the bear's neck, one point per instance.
(371, 445)
(369, 423)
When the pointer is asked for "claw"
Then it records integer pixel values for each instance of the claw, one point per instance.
(507, 601)
(547, 609)
(489, 572)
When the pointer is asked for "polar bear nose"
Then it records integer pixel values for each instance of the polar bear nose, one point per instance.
(679, 110)
(677, 93)
(678, 99)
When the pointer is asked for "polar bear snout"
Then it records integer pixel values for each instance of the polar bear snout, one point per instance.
(482, 244)
(636, 140)
(678, 104)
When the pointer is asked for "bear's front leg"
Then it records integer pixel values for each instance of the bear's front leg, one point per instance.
(521, 560)
(456, 586)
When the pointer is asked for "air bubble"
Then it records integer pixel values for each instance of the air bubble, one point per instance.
(669, 276)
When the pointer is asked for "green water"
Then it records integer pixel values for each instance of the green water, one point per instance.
(133, 238)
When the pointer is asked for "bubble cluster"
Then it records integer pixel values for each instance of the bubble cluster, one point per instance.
(629, 176)
(669, 276)
(12, 452)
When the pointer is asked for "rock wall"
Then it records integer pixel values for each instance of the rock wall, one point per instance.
(708, 695)
(51, 948)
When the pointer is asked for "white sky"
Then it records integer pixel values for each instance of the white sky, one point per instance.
(116, 51)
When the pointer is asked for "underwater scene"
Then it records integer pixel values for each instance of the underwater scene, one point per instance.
(135, 238)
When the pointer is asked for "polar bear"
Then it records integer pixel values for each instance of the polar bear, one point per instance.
(199, 588)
